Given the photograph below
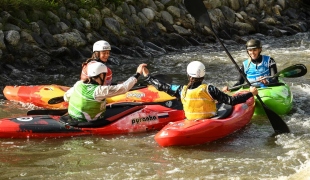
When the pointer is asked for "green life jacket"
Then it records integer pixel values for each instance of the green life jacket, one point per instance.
(82, 103)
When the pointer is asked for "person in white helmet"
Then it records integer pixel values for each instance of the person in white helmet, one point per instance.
(101, 53)
(87, 98)
(257, 66)
(198, 99)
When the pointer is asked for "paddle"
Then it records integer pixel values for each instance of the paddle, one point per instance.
(200, 13)
(54, 112)
(293, 71)
(161, 77)
(170, 104)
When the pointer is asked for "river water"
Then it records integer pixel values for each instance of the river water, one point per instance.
(251, 153)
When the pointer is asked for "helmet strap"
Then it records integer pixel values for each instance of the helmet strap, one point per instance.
(91, 80)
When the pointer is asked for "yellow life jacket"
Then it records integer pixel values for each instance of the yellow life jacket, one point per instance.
(198, 103)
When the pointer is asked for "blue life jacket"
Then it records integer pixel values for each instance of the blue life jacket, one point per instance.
(254, 71)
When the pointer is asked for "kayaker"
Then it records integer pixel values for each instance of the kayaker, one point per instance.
(257, 66)
(198, 99)
(101, 53)
(87, 98)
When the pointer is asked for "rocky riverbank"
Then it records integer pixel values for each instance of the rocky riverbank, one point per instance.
(37, 47)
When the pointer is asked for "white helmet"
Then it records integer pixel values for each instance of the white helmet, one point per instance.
(96, 68)
(101, 46)
(196, 69)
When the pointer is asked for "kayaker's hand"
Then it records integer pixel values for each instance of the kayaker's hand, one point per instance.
(145, 72)
(262, 80)
(141, 67)
(225, 89)
(253, 90)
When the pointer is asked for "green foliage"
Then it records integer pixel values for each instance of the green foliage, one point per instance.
(117, 2)
(86, 4)
(15, 5)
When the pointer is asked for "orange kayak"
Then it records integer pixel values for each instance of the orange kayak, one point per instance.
(39, 95)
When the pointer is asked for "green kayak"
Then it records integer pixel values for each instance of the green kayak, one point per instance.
(278, 97)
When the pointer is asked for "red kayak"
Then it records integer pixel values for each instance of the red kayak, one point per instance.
(184, 132)
(124, 119)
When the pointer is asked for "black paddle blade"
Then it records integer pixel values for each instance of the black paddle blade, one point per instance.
(198, 10)
(296, 70)
(56, 100)
(276, 121)
(55, 112)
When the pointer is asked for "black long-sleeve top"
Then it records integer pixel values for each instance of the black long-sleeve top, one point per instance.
(176, 90)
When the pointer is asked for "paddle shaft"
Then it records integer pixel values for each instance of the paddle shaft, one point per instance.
(199, 11)
(241, 85)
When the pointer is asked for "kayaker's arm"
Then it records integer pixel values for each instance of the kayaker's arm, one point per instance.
(224, 98)
(173, 90)
(103, 92)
